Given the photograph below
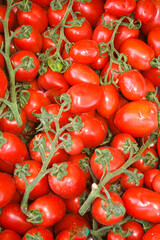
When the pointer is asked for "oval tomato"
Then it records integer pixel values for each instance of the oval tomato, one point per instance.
(4, 83)
(8, 234)
(145, 10)
(153, 233)
(153, 40)
(149, 176)
(153, 75)
(120, 8)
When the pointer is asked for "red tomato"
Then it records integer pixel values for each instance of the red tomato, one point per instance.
(8, 234)
(138, 118)
(7, 188)
(102, 34)
(4, 83)
(36, 17)
(11, 20)
(60, 155)
(119, 140)
(149, 176)
(145, 10)
(45, 234)
(114, 236)
(103, 217)
(107, 18)
(7, 125)
(153, 40)
(151, 161)
(85, 97)
(43, 3)
(92, 133)
(111, 73)
(149, 86)
(6, 167)
(12, 218)
(52, 207)
(81, 73)
(153, 75)
(33, 43)
(158, 145)
(74, 34)
(85, 51)
(109, 101)
(41, 188)
(75, 233)
(77, 145)
(90, 10)
(36, 100)
(156, 183)
(142, 203)
(132, 85)
(135, 228)
(153, 233)
(120, 8)
(71, 184)
(116, 162)
(14, 150)
(139, 54)
(100, 63)
(23, 75)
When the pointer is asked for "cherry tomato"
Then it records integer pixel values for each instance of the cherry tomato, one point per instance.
(11, 20)
(135, 228)
(44, 233)
(153, 75)
(153, 40)
(114, 236)
(77, 145)
(4, 83)
(43, 3)
(102, 34)
(149, 176)
(145, 10)
(153, 233)
(120, 8)
(8, 234)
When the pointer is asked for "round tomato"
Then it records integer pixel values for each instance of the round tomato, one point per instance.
(4, 83)
(44, 233)
(114, 236)
(145, 10)
(156, 183)
(77, 145)
(8, 234)
(154, 40)
(149, 176)
(136, 229)
(11, 20)
(43, 3)
(153, 233)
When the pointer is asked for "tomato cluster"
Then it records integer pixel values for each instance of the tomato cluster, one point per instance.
(79, 119)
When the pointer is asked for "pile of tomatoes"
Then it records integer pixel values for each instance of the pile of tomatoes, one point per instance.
(79, 120)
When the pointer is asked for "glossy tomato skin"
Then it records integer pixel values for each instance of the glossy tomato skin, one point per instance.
(84, 51)
(12, 218)
(11, 21)
(132, 85)
(43, 3)
(102, 34)
(81, 73)
(77, 145)
(142, 203)
(41, 188)
(33, 43)
(136, 229)
(99, 213)
(155, 183)
(23, 75)
(85, 97)
(138, 118)
(71, 185)
(44, 233)
(14, 150)
(7, 188)
(113, 236)
(4, 83)
(116, 162)
(152, 75)
(52, 207)
(36, 17)
(139, 54)
(90, 10)
(153, 233)
(120, 8)
(158, 145)
(145, 10)
(149, 176)
(8, 234)
(153, 40)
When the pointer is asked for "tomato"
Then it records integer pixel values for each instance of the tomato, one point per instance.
(139, 54)
(116, 162)
(132, 85)
(36, 17)
(69, 221)
(120, 8)
(81, 73)
(6, 167)
(85, 51)
(52, 207)
(90, 10)
(145, 10)
(158, 145)
(155, 183)
(14, 150)
(77, 145)
(71, 184)
(111, 73)
(23, 75)
(102, 34)
(44, 233)
(149, 86)
(41, 188)
(149, 176)
(33, 43)
(92, 133)
(151, 161)
(74, 34)
(142, 203)
(7, 188)
(109, 101)
(17, 197)
(100, 62)
(52, 80)
(43, 3)
(8, 234)
(11, 20)
(12, 218)
(60, 155)
(135, 228)
(138, 118)
(114, 236)
(153, 233)
(4, 83)
(119, 140)
(153, 40)
(107, 18)
(103, 217)
(124, 33)
(7, 125)
(36, 100)
(85, 97)
(153, 75)
(128, 182)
